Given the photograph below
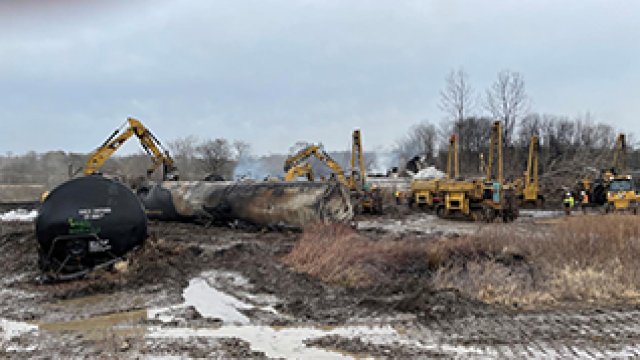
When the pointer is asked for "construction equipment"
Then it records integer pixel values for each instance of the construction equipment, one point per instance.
(368, 198)
(365, 198)
(149, 142)
(425, 191)
(315, 150)
(620, 189)
(478, 199)
(302, 170)
(499, 199)
(456, 195)
(527, 188)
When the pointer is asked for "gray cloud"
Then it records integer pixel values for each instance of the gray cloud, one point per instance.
(274, 72)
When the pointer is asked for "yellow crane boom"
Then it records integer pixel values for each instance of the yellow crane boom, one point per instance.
(453, 166)
(149, 142)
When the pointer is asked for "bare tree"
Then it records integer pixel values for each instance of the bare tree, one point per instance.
(456, 100)
(421, 140)
(217, 157)
(507, 101)
(183, 151)
(242, 149)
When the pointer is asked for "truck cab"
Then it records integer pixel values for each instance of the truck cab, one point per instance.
(621, 194)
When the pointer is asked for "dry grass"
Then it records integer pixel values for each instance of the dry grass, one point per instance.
(337, 254)
(585, 259)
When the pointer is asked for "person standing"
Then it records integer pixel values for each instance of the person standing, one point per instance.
(568, 202)
(584, 201)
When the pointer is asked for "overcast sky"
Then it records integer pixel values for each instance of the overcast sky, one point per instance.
(275, 72)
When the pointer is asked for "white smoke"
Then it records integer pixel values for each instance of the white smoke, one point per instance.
(250, 168)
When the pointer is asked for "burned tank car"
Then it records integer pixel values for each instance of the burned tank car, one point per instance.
(88, 222)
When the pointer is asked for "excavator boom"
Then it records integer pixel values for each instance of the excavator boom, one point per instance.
(149, 142)
(320, 154)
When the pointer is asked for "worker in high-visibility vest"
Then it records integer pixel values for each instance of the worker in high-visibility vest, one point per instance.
(568, 202)
(585, 201)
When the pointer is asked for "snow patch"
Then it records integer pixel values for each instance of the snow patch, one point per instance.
(213, 303)
(429, 173)
(19, 215)
(11, 329)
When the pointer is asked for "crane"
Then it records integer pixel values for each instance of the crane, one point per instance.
(368, 199)
(149, 142)
(495, 154)
(528, 187)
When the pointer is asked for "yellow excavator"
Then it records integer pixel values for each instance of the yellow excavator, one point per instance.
(302, 170)
(366, 199)
(296, 164)
(149, 142)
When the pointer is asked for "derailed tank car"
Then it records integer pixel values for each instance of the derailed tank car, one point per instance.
(264, 204)
(88, 222)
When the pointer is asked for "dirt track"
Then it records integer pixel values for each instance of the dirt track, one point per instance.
(138, 312)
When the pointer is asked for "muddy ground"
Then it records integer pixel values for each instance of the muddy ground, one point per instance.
(219, 292)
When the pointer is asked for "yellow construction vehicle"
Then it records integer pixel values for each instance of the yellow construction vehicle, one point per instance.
(302, 170)
(149, 142)
(527, 188)
(479, 199)
(456, 195)
(620, 187)
(367, 197)
(425, 191)
(315, 150)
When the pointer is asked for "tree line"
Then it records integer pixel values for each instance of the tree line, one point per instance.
(570, 148)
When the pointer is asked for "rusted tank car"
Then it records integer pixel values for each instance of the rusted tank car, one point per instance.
(267, 204)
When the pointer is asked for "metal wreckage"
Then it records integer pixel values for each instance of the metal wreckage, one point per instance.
(93, 221)
(273, 205)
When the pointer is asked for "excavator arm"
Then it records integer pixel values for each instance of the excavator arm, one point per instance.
(320, 154)
(149, 142)
(302, 170)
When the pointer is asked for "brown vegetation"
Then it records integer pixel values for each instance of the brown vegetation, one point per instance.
(337, 254)
(581, 259)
